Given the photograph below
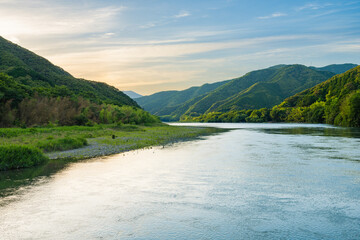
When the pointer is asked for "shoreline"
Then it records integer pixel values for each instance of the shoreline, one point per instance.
(103, 140)
(95, 149)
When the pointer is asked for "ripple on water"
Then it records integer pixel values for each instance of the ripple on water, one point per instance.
(264, 181)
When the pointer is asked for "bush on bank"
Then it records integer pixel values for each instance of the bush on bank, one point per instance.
(14, 157)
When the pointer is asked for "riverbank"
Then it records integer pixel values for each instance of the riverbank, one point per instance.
(99, 140)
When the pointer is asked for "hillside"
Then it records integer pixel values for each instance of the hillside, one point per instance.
(166, 102)
(335, 101)
(34, 92)
(273, 88)
(263, 88)
(230, 89)
(33, 73)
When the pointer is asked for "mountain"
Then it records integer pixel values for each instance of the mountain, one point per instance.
(32, 73)
(263, 88)
(335, 101)
(167, 102)
(336, 68)
(270, 87)
(132, 94)
(34, 92)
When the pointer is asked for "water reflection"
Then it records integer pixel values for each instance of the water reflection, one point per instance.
(11, 181)
(317, 131)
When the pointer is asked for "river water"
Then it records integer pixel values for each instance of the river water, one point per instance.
(256, 181)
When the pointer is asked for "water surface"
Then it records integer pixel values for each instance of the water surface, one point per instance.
(257, 181)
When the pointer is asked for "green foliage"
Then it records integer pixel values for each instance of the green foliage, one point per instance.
(349, 114)
(61, 144)
(14, 157)
(42, 111)
(257, 115)
(315, 113)
(335, 101)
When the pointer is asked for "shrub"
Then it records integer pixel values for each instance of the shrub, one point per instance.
(14, 157)
(61, 144)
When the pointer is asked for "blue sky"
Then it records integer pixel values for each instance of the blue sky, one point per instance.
(154, 45)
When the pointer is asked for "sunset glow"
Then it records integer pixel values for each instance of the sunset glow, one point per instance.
(150, 46)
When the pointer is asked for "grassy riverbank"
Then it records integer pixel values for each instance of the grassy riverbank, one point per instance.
(82, 142)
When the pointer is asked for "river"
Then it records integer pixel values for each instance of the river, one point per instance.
(256, 181)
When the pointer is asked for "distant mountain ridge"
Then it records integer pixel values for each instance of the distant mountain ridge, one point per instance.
(257, 89)
(132, 94)
(167, 102)
(272, 88)
(336, 68)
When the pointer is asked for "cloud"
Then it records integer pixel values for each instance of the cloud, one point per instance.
(43, 19)
(344, 46)
(130, 65)
(165, 20)
(148, 25)
(158, 51)
(109, 34)
(313, 6)
(182, 14)
(274, 15)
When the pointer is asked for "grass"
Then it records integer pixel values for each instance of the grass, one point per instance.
(61, 144)
(14, 157)
(70, 141)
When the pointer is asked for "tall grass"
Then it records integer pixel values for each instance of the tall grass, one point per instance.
(14, 157)
(61, 144)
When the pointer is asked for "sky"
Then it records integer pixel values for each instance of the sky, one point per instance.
(155, 45)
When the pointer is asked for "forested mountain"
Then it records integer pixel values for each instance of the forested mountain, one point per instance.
(166, 102)
(263, 88)
(336, 68)
(258, 89)
(335, 101)
(35, 92)
(31, 73)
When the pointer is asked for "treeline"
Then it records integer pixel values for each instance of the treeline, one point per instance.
(41, 110)
(346, 113)
(23, 104)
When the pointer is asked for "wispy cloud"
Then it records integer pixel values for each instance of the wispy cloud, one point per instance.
(130, 66)
(165, 20)
(313, 6)
(182, 14)
(274, 15)
(134, 49)
(43, 19)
